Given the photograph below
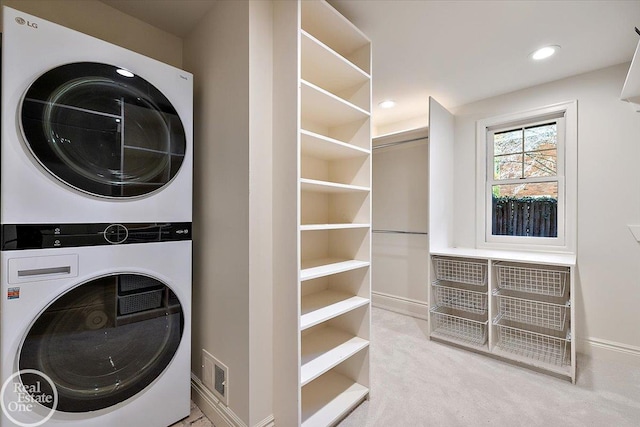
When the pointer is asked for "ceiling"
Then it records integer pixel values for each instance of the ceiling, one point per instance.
(457, 51)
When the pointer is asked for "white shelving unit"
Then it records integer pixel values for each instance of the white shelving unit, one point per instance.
(631, 88)
(330, 155)
(522, 313)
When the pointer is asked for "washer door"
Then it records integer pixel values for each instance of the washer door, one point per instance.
(102, 132)
(104, 341)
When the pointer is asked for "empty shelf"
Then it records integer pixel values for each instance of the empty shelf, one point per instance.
(329, 187)
(327, 68)
(327, 266)
(329, 398)
(326, 348)
(325, 23)
(322, 306)
(323, 147)
(316, 227)
(321, 106)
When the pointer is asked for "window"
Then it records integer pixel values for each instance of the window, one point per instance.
(523, 161)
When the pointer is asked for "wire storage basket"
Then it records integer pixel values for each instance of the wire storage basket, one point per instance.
(553, 349)
(454, 270)
(460, 299)
(536, 313)
(543, 281)
(450, 322)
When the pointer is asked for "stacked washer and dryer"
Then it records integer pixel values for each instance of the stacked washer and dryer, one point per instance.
(96, 194)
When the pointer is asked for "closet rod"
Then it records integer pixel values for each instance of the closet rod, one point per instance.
(399, 232)
(391, 144)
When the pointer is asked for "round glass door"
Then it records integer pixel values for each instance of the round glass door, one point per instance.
(102, 130)
(104, 341)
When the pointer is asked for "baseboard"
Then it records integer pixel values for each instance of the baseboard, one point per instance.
(219, 414)
(406, 306)
(608, 350)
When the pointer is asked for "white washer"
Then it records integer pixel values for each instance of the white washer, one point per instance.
(109, 325)
(91, 132)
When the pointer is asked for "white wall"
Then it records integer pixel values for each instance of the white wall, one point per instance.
(104, 22)
(229, 55)
(608, 287)
(399, 280)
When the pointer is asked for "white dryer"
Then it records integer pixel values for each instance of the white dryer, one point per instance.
(109, 327)
(91, 132)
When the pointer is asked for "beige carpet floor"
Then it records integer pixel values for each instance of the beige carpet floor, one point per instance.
(421, 383)
(417, 382)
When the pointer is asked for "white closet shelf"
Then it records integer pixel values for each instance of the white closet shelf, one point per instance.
(325, 349)
(329, 398)
(322, 147)
(327, 68)
(327, 266)
(631, 88)
(321, 106)
(314, 185)
(322, 306)
(325, 23)
(319, 227)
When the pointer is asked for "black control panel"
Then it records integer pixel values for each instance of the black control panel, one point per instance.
(42, 236)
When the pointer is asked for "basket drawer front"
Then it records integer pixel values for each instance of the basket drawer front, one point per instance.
(458, 327)
(536, 313)
(533, 345)
(470, 272)
(541, 281)
(460, 299)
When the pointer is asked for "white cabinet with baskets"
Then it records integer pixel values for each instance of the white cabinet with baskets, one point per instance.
(459, 310)
(514, 306)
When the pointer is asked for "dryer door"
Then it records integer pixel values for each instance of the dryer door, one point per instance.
(104, 341)
(102, 130)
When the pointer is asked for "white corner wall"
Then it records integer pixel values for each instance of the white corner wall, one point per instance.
(400, 185)
(608, 285)
(229, 55)
(99, 20)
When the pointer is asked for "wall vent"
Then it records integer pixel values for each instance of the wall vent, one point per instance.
(215, 376)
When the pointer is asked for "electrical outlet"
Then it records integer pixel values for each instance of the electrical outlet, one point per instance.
(215, 376)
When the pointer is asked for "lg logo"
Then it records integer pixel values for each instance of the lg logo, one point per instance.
(21, 21)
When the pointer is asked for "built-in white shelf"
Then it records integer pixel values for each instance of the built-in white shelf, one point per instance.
(323, 147)
(325, 24)
(316, 268)
(566, 260)
(631, 88)
(322, 306)
(329, 187)
(329, 398)
(328, 69)
(325, 349)
(319, 105)
(320, 227)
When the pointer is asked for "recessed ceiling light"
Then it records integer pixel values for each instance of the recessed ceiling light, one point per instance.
(387, 104)
(544, 52)
(124, 72)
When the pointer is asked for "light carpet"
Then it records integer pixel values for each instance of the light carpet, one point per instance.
(417, 382)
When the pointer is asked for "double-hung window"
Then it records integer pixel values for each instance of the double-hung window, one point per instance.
(522, 173)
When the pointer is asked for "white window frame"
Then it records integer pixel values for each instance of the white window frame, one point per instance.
(565, 114)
